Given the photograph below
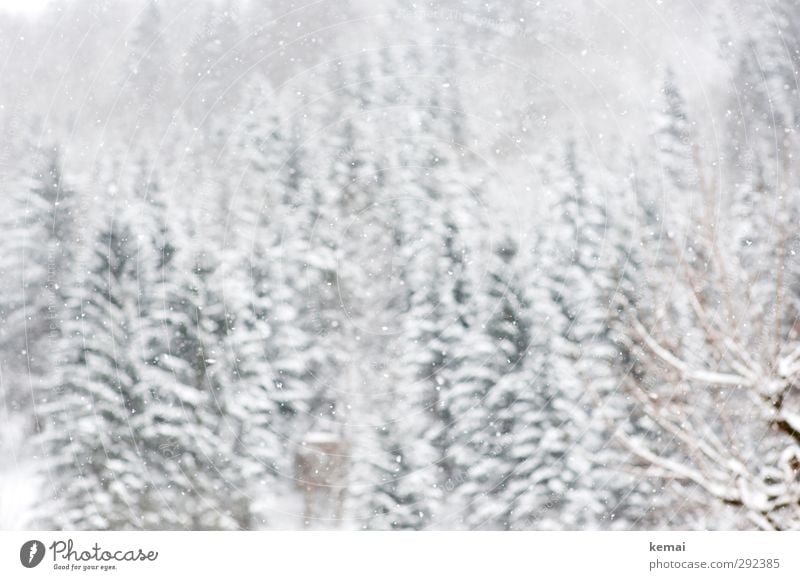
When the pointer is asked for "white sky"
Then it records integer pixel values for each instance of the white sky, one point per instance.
(22, 6)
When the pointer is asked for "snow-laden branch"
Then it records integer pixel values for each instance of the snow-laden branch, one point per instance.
(725, 493)
(690, 374)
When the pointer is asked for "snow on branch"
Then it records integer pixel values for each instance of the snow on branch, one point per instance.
(699, 375)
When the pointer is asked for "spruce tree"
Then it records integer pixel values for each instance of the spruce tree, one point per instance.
(88, 413)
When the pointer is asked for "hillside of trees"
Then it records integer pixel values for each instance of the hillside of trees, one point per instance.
(364, 267)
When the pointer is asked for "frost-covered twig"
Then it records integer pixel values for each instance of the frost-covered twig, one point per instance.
(700, 375)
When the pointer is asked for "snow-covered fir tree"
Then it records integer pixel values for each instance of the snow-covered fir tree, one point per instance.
(87, 414)
(37, 250)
